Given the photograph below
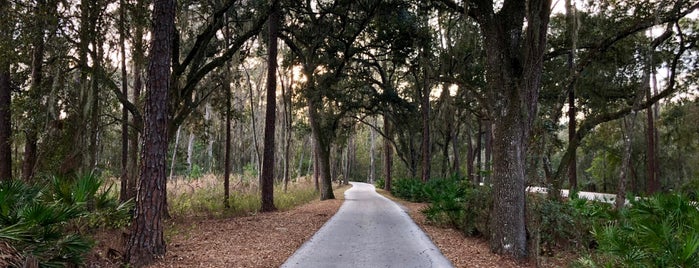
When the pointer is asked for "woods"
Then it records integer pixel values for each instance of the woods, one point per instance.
(580, 95)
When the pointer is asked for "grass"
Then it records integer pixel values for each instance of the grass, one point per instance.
(203, 197)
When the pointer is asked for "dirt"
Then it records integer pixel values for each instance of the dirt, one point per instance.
(268, 239)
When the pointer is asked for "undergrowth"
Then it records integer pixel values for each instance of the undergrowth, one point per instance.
(204, 197)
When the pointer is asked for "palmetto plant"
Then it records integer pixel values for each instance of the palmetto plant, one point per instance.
(39, 221)
(659, 231)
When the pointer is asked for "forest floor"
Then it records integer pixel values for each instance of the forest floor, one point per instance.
(268, 239)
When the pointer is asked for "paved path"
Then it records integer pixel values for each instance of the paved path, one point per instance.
(368, 231)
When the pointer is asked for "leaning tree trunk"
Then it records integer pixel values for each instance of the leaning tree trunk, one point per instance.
(146, 242)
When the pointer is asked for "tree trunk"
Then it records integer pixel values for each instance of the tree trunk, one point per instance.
(286, 99)
(372, 153)
(479, 146)
(190, 151)
(514, 62)
(316, 168)
(253, 122)
(227, 143)
(457, 155)
(267, 176)
(387, 154)
(488, 161)
(174, 153)
(228, 119)
(5, 122)
(35, 94)
(146, 242)
(138, 66)
(322, 149)
(123, 195)
(625, 161)
(426, 145)
(572, 32)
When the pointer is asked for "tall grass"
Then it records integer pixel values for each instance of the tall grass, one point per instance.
(204, 196)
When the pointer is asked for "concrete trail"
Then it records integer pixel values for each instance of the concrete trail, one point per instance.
(369, 230)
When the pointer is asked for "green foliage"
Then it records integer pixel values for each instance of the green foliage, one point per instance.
(380, 183)
(38, 221)
(196, 172)
(446, 198)
(564, 224)
(658, 231)
(453, 202)
(478, 203)
(411, 189)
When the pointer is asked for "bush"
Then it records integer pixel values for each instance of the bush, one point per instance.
(43, 223)
(412, 190)
(380, 183)
(658, 231)
(563, 224)
(446, 197)
(478, 203)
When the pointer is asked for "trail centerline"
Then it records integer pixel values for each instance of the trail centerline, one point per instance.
(369, 230)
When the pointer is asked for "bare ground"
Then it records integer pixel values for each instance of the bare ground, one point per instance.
(268, 239)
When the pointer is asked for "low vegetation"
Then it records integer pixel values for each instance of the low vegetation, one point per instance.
(656, 231)
(48, 224)
(204, 196)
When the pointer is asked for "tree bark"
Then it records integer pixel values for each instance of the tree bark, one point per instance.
(372, 153)
(425, 112)
(174, 153)
(190, 151)
(572, 32)
(138, 66)
(322, 149)
(267, 176)
(123, 195)
(227, 144)
(627, 132)
(387, 154)
(35, 94)
(146, 242)
(514, 62)
(5, 95)
(5, 122)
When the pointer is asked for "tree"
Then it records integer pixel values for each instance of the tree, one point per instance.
(5, 95)
(146, 241)
(123, 195)
(387, 154)
(591, 67)
(326, 35)
(267, 176)
(514, 56)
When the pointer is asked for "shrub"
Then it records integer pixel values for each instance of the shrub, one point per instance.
(564, 224)
(446, 197)
(658, 231)
(43, 223)
(409, 189)
(478, 202)
(380, 183)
